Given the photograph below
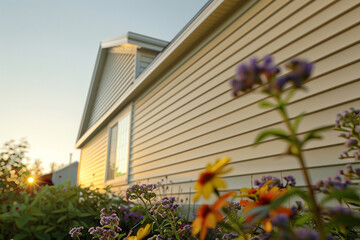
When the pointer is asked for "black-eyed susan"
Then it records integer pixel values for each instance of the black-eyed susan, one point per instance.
(208, 216)
(209, 179)
(264, 196)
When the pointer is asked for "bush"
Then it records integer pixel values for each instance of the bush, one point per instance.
(28, 212)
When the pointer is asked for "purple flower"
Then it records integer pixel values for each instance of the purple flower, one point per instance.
(339, 210)
(352, 142)
(280, 220)
(76, 231)
(229, 236)
(306, 234)
(248, 75)
(300, 72)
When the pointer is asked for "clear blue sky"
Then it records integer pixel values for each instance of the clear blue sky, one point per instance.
(47, 55)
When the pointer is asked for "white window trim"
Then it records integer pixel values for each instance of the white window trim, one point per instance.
(125, 178)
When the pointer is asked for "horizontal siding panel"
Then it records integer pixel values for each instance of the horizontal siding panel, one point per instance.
(272, 164)
(145, 58)
(242, 167)
(93, 161)
(193, 95)
(332, 62)
(178, 135)
(245, 138)
(236, 123)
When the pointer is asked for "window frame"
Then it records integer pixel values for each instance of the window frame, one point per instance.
(124, 178)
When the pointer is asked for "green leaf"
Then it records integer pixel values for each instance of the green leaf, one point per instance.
(313, 133)
(60, 210)
(300, 221)
(49, 229)
(84, 214)
(288, 194)
(20, 222)
(272, 132)
(347, 220)
(121, 235)
(43, 236)
(61, 219)
(266, 104)
(346, 194)
(41, 228)
(289, 95)
(297, 121)
(36, 213)
(20, 236)
(145, 217)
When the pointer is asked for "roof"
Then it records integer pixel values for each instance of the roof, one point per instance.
(206, 20)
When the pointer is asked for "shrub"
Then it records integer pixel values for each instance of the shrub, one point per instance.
(48, 212)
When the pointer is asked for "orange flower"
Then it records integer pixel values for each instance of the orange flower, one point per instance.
(209, 180)
(208, 216)
(248, 192)
(264, 196)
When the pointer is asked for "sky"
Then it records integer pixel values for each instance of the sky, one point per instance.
(47, 56)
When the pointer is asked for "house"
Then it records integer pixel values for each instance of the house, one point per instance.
(66, 173)
(60, 176)
(159, 112)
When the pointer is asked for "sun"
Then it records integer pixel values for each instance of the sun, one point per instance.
(30, 180)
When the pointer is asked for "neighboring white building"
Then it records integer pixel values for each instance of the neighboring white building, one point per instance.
(162, 111)
(70, 172)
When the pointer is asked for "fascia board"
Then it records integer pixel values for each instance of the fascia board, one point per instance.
(98, 68)
(136, 39)
(144, 77)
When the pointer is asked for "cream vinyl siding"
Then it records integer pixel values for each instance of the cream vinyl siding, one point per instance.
(190, 119)
(93, 161)
(144, 58)
(117, 76)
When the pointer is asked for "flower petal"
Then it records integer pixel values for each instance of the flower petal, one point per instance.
(221, 202)
(196, 226)
(218, 182)
(207, 190)
(210, 220)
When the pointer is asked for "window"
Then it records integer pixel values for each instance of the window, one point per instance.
(118, 148)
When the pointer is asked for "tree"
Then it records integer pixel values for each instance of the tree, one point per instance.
(36, 169)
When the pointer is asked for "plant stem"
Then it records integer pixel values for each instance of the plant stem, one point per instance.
(149, 215)
(299, 155)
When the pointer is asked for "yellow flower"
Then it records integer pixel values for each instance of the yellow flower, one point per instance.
(141, 233)
(208, 216)
(210, 180)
